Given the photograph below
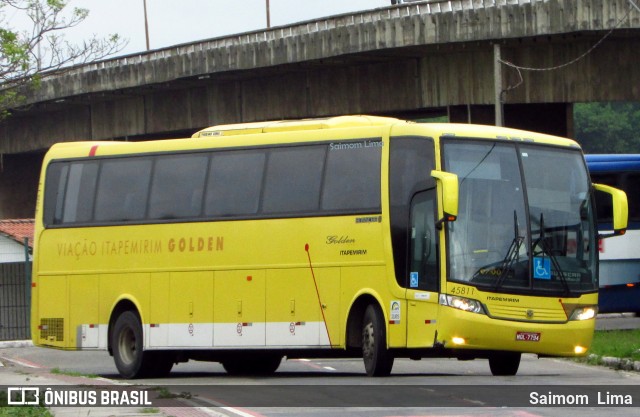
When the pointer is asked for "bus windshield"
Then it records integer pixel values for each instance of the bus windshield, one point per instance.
(522, 211)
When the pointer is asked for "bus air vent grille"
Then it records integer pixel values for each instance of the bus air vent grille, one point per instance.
(527, 313)
(52, 329)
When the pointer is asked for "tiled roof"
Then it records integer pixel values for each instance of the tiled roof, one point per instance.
(18, 229)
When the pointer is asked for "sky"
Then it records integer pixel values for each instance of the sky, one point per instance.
(173, 22)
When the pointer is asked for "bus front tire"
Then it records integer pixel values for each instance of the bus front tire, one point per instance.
(126, 344)
(504, 363)
(378, 360)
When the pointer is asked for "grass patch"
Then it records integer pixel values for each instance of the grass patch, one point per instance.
(58, 371)
(617, 343)
(164, 393)
(22, 411)
(27, 411)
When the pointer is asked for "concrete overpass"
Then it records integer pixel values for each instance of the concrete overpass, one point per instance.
(410, 60)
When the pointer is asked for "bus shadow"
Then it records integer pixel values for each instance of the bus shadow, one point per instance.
(278, 376)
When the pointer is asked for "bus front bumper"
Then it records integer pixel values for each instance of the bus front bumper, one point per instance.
(464, 330)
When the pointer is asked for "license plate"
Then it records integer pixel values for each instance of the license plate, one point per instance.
(527, 337)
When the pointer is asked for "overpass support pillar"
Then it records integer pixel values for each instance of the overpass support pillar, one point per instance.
(552, 118)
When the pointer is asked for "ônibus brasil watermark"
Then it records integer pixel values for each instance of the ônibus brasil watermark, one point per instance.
(77, 396)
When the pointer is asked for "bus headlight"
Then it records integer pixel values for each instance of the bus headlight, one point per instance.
(584, 313)
(461, 303)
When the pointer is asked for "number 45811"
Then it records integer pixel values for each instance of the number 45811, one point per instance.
(463, 290)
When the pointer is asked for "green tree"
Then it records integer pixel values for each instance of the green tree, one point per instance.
(608, 127)
(27, 54)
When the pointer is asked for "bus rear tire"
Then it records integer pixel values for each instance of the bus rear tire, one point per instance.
(378, 360)
(126, 344)
(504, 363)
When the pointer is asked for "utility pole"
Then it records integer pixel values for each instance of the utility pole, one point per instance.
(146, 24)
(268, 15)
(497, 85)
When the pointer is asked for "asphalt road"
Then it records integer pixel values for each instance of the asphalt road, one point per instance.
(322, 388)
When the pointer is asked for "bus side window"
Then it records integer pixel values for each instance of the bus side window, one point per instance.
(56, 185)
(362, 191)
(423, 262)
(293, 180)
(78, 201)
(69, 198)
(122, 190)
(234, 183)
(177, 185)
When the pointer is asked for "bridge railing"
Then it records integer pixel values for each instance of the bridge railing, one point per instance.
(387, 27)
(424, 7)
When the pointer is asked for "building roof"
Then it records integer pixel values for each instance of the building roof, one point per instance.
(18, 229)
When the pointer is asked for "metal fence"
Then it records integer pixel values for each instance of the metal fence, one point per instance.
(15, 299)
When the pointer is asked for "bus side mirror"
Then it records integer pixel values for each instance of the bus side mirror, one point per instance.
(620, 209)
(448, 185)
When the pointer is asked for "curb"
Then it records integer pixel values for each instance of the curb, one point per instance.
(15, 344)
(615, 315)
(619, 364)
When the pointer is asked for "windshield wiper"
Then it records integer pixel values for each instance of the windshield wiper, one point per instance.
(541, 241)
(513, 253)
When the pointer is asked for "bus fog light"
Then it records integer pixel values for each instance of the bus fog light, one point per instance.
(584, 313)
(579, 350)
(462, 303)
(458, 341)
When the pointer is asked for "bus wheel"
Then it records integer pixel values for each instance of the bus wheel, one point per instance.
(235, 366)
(254, 365)
(267, 364)
(378, 360)
(126, 343)
(504, 363)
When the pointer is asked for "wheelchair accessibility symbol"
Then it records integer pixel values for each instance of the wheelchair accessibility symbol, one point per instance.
(542, 268)
(413, 280)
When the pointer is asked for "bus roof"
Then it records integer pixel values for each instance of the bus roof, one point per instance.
(292, 125)
(341, 122)
(248, 134)
(613, 162)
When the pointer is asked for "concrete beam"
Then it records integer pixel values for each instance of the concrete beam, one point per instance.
(406, 26)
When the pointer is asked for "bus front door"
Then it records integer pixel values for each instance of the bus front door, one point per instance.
(422, 285)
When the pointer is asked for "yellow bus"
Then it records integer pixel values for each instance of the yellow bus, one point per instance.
(352, 236)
